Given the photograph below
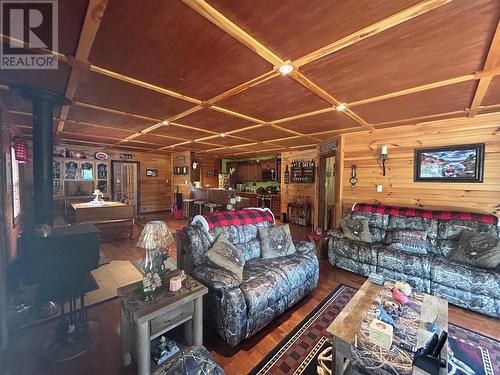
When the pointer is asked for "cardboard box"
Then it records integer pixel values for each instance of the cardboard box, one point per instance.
(381, 334)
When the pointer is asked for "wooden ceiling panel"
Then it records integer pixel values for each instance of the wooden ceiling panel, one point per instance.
(25, 120)
(156, 139)
(86, 139)
(15, 102)
(100, 131)
(71, 16)
(145, 145)
(263, 133)
(431, 102)
(293, 31)
(226, 141)
(179, 132)
(172, 46)
(493, 94)
(447, 42)
(112, 93)
(332, 120)
(51, 79)
(294, 142)
(215, 121)
(196, 146)
(275, 99)
(114, 120)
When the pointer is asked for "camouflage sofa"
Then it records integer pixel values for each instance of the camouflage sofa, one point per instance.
(269, 286)
(194, 360)
(470, 287)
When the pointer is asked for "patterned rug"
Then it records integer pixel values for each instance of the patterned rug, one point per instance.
(303, 349)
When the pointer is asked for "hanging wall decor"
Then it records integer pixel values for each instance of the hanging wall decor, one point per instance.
(20, 149)
(461, 163)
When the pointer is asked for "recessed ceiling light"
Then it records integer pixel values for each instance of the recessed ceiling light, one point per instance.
(165, 122)
(285, 68)
(222, 135)
(341, 107)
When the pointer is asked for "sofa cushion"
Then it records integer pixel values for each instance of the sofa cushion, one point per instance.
(376, 222)
(408, 240)
(225, 255)
(417, 223)
(358, 251)
(460, 276)
(242, 235)
(477, 250)
(405, 263)
(276, 242)
(266, 281)
(449, 232)
(356, 229)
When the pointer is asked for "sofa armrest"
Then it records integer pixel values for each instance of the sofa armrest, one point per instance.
(303, 247)
(215, 278)
(336, 233)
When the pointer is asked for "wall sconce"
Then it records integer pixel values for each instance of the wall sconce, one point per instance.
(383, 157)
(353, 179)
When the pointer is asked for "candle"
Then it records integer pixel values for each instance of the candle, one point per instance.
(384, 150)
(175, 283)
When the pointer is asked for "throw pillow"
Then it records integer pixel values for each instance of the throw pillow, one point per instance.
(408, 240)
(477, 249)
(356, 229)
(276, 242)
(226, 256)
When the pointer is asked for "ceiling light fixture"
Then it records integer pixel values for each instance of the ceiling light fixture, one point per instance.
(165, 122)
(341, 107)
(222, 135)
(285, 68)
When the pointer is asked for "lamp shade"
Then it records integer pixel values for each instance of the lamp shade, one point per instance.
(155, 235)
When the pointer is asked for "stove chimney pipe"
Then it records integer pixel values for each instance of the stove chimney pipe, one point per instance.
(43, 105)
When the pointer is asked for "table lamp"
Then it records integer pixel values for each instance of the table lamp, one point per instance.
(155, 238)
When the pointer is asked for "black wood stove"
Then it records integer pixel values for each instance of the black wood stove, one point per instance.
(57, 259)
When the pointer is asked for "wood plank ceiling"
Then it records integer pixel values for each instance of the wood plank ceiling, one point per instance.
(203, 74)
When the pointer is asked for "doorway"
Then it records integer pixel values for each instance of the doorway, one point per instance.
(327, 192)
(125, 182)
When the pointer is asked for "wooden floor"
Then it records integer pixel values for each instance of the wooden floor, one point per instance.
(24, 355)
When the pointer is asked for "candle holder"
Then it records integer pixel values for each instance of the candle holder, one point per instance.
(383, 157)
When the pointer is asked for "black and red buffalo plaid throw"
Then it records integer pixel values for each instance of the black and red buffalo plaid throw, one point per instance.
(428, 214)
(241, 217)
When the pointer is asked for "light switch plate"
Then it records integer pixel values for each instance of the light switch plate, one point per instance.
(379, 188)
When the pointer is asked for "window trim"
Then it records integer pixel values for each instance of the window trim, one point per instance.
(15, 165)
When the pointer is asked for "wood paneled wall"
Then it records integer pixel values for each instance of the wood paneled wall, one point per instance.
(362, 149)
(155, 192)
(291, 191)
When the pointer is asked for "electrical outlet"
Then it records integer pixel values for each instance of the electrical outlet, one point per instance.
(379, 188)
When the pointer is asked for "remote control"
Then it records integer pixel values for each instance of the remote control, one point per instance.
(409, 348)
(376, 279)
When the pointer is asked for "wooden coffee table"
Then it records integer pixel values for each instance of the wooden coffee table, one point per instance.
(344, 328)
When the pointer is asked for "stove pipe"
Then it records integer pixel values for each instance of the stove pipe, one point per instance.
(43, 104)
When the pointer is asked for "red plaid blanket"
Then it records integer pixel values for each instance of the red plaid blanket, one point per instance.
(428, 214)
(241, 217)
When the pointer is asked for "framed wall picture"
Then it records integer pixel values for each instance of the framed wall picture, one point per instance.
(151, 172)
(209, 173)
(461, 163)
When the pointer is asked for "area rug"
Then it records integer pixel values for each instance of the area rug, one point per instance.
(298, 353)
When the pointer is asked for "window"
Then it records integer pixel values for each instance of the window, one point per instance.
(16, 194)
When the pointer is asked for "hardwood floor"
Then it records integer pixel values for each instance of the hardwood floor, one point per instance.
(24, 353)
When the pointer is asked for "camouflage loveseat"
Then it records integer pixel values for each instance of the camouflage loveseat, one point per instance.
(435, 273)
(269, 286)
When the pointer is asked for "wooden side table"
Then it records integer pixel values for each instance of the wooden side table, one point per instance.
(141, 322)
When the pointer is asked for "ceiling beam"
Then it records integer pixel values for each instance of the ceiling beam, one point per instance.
(306, 82)
(373, 29)
(91, 23)
(492, 61)
(218, 19)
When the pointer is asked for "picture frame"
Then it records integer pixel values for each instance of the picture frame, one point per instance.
(458, 163)
(151, 172)
(209, 173)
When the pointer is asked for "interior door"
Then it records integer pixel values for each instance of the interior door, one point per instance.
(327, 192)
(125, 182)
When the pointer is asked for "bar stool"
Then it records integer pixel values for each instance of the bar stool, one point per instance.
(212, 207)
(198, 207)
(188, 208)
